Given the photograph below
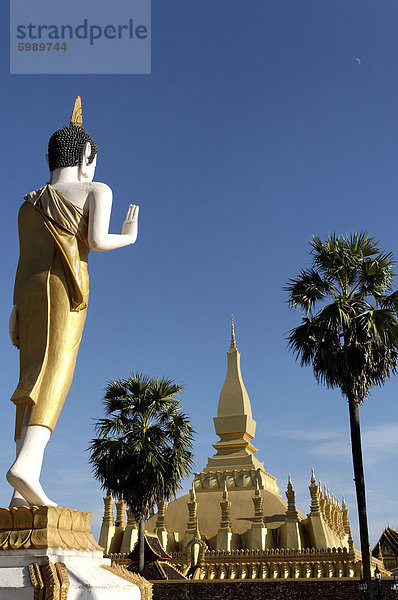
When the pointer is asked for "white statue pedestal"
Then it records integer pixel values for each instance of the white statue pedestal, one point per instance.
(49, 553)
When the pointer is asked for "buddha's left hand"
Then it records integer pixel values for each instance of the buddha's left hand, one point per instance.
(130, 225)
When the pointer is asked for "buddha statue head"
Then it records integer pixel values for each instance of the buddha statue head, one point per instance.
(72, 146)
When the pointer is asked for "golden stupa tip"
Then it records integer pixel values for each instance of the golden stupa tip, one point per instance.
(233, 341)
(77, 114)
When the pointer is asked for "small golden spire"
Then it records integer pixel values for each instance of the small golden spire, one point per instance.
(192, 509)
(315, 494)
(192, 493)
(131, 519)
(225, 492)
(257, 491)
(233, 342)
(258, 505)
(313, 479)
(291, 499)
(197, 530)
(380, 556)
(108, 509)
(225, 505)
(77, 114)
(120, 510)
(161, 516)
(350, 543)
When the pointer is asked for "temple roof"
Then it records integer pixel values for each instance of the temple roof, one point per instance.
(161, 570)
(153, 549)
(390, 536)
(156, 560)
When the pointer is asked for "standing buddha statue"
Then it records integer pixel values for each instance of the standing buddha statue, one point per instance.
(58, 224)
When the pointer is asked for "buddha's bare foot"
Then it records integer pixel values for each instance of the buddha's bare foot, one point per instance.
(28, 488)
(17, 500)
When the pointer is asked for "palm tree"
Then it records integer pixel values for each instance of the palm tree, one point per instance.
(349, 333)
(144, 445)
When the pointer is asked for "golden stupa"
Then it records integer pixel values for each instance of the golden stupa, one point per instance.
(234, 523)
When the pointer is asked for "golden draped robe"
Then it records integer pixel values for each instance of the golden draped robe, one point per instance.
(51, 295)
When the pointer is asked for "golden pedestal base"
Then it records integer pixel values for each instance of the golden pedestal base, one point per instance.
(49, 581)
(51, 550)
(40, 527)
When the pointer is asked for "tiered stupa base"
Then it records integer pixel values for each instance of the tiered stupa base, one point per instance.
(48, 553)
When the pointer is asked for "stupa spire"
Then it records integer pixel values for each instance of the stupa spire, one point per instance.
(346, 522)
(161, 517)
(225, 505)
(291, 499)
(315, 495)
(108, 509)
(233, 341)
(120, 512)
(192, 510)
(234, 423)
(258, 505)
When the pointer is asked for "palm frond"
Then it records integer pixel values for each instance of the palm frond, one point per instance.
(335, 316)
(360, 245)
(375, 276)
(389, 301)
(380, 325)
(308, 288)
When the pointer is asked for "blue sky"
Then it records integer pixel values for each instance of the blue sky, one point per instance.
(256, 129)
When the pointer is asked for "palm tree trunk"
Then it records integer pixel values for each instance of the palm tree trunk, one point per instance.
(141, 545)
(359, 479)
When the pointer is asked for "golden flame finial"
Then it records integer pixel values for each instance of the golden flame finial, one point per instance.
(225, 492)
(77, 114)
(233, 342)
